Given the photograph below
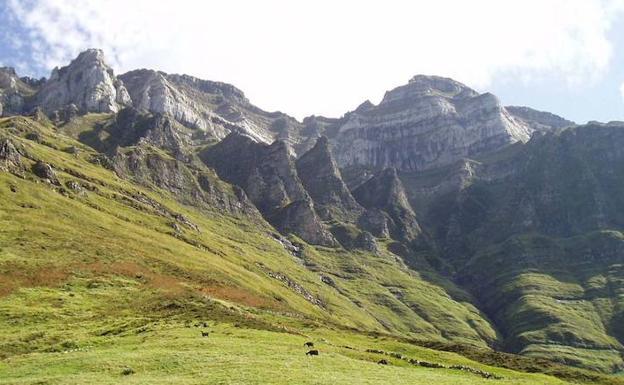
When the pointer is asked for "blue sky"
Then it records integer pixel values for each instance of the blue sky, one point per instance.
(325, 57)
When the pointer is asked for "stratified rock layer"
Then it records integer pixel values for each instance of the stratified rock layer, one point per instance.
(431, 121)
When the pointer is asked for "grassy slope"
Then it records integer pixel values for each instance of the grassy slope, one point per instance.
(94, 281)
(541, 248)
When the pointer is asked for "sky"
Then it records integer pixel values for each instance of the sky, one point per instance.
(325, 57)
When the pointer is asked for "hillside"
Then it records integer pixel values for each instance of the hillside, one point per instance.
(94, 267)
(160, 224)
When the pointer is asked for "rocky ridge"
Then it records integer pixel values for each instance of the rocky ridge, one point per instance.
(87, 82)
(268, 175)
(321, 178)
(429, 122)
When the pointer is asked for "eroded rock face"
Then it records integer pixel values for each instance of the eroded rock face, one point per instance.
(10, 158)
(13, 92)
(300, 218)
(429, 122)
(322, 180)
(539, 120)
(385, 196)
(197, 186)
(268, 175)
(213, 107)
(87, 82)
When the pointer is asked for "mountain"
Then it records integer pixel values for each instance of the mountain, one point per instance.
(136, 207)
(534, 232)
(87, 83)
(212, 107)
(539, 120)
(14, 91)
(268, 175)
(321, 177)
(384, 196)
(429, 122)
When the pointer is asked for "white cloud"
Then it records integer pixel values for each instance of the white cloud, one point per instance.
(622, 91)
(326, 56)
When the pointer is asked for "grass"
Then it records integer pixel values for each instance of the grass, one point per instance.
(97, 281)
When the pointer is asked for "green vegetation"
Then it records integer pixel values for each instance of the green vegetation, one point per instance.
(103, 283)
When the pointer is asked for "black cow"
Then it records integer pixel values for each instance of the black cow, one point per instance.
(309, 344)
(382, 362)
(312, 353)
(205, 334)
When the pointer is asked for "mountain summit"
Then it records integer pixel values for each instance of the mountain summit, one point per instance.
(87, 82)
(429, 122)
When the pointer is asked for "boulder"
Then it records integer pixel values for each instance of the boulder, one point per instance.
(44, 171)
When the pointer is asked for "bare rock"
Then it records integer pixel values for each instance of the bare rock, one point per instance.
(87, 82)
(385, 192)
(321, 178)
(429, 122)
(269, 177)
(10, 157)
(45, 171)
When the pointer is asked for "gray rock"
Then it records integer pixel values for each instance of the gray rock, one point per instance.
(375, 221)
(300, 218)
(429, 122)
(212, 107)
(10, 158)
(191, 183)
(385, 192)
(74, 186)
(539, 120)
(322, 180)
(13, 92)
(45, 171)
(268, 175)
(87, 82)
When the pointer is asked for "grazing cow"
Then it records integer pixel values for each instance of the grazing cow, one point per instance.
(382, 362)
(312, 353)
(309, 344)
(205, 334)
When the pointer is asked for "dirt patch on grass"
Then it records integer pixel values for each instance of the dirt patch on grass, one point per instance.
(15, 276)
(239, 295)
(168, 284)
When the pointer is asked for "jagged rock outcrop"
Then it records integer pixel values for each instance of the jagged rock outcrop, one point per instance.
(384, 197)
(429, 122)
(322, 180)
(14, 92)
(87, 82)
(10, 158)
(268, 175)
(300, 219)
(213, 107)
(45, 171)
(191, 183)
(130, 127)
(539, 120)
(351, 238)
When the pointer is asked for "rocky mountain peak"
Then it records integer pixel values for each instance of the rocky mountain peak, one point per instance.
(87, 82)
(431, 121)
(13, 92)
(321, 178)
(213, 107)
(429, 85)
(268, 175)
